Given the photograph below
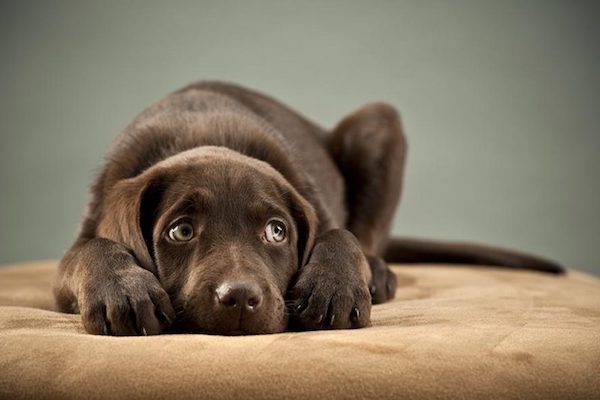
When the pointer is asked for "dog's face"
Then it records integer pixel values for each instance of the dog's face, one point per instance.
(224, 233)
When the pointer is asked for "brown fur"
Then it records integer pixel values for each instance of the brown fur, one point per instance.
(228, 160)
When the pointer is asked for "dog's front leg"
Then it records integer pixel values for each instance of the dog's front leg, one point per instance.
(332, 289)
(102, 280)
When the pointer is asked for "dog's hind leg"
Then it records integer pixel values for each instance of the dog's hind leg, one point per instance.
(369, 148)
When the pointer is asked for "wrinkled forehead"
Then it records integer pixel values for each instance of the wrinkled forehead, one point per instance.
(217, 156)
(209, 175)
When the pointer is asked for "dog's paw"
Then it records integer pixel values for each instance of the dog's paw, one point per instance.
(324, 299)
(383, 281)
(129, 301)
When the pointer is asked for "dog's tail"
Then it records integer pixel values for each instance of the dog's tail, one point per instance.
(404, 250)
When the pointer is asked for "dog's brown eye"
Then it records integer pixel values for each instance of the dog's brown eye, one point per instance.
(182, 232)
(275, 232)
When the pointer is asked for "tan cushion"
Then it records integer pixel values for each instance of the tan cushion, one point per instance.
(451, 332)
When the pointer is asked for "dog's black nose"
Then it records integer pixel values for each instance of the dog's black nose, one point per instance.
(243, 294)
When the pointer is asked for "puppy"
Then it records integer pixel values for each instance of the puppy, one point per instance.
(219, 210)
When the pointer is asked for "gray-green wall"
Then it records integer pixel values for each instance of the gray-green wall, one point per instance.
(500, 100)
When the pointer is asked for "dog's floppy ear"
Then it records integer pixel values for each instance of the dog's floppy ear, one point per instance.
(129, 214)
(306, 226)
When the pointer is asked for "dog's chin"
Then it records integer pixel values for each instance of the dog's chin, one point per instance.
(246, 332)
(244, 328)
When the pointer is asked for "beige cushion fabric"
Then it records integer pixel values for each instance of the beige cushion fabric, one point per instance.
(451, 332)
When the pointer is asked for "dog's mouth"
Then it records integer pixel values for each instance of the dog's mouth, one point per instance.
(237, 328)
(190, 328)
(236, 332)
(215, 323)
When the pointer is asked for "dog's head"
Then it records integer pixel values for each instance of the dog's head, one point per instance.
(224, 233)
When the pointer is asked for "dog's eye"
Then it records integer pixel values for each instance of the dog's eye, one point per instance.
(275, 231)
(182, 232)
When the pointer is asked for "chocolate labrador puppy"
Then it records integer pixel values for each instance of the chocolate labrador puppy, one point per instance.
(220, 210)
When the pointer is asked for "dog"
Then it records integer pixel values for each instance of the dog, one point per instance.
(220, 210)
